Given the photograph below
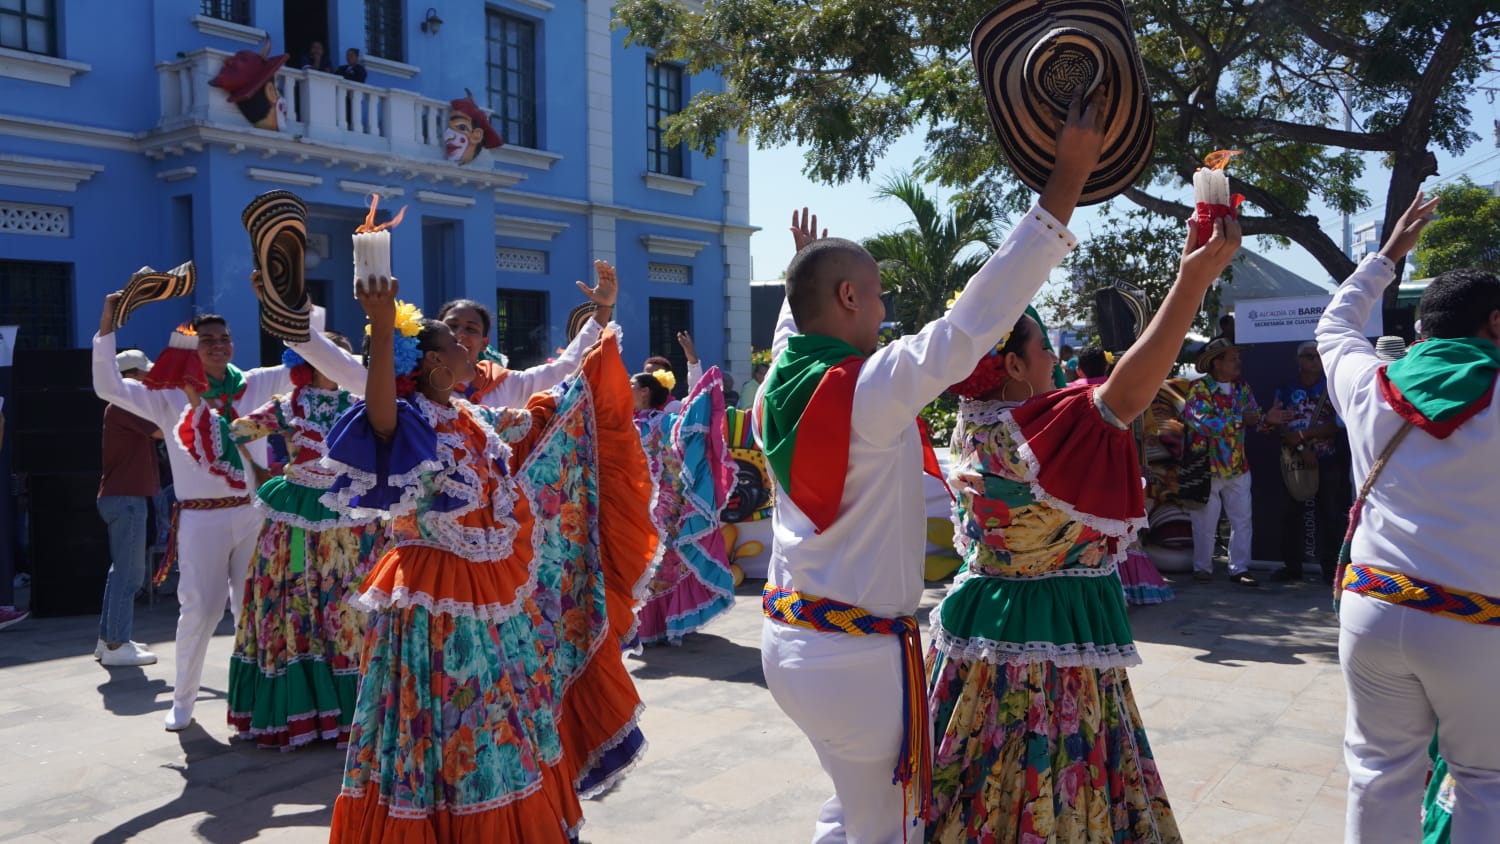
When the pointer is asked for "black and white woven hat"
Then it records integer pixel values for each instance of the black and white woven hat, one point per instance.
(277, 223)
(149, 285)
(1032, 55)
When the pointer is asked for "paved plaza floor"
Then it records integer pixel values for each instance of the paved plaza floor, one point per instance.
(1240, 693)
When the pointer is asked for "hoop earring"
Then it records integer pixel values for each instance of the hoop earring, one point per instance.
(1030, 390)
(451, 379)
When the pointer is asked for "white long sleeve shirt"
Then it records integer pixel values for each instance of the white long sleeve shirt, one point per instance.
(521, 384)
(165, 407)
(871, 556)
(1432, 512)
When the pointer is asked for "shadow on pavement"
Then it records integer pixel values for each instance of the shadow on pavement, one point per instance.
(253, 806)
(701, 655)
(1284, 624)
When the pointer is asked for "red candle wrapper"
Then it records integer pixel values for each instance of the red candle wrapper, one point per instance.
(1205, 214)
(178, 365)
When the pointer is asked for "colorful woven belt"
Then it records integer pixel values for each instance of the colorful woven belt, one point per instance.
(1422, 595)
(170, 557)
(825, 615)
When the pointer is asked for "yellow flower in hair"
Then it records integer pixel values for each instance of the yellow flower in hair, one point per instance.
(665, 378)
(408, 320)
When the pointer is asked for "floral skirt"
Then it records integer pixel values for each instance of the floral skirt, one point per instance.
(1143, 583)
(295, 667)
(687, 592)
(1034, 752)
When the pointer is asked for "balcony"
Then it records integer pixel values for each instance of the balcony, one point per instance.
(331, 120)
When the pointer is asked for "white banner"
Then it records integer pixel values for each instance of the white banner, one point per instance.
(1286, 320)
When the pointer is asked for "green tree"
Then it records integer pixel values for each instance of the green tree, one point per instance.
(1466, 232)
(1272, 77)
(924, 265)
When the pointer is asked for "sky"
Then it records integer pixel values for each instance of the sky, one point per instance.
(777, 187)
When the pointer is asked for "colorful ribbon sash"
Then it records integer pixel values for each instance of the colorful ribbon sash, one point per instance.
(1408, 591)
(825, 615)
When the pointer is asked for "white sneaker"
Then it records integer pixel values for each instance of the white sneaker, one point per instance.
(176, 720)
(129, 653)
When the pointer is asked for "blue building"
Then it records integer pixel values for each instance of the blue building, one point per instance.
(117, 152)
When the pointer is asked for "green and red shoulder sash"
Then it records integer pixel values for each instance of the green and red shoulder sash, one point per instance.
(804, 414)
(1442, 383)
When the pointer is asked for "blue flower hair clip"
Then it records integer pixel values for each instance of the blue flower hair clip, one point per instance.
(291, 359)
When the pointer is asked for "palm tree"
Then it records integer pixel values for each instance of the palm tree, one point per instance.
(923, 265)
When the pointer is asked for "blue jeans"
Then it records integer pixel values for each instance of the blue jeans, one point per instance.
(125, 515)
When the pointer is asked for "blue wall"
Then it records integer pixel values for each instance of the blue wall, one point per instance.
(175, 178)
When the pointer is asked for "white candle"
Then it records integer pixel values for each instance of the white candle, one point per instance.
(372, 257)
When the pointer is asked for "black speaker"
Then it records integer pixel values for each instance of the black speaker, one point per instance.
(69, 545)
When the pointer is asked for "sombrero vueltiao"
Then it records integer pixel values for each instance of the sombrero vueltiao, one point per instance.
(1031, 55)
(578, 318)
(150, 285)
(1212, 350)
(277, 223)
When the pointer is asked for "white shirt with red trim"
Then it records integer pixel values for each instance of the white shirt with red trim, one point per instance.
(1433, 511)
(872, 555)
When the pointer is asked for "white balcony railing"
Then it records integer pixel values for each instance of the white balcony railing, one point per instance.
(321, 108)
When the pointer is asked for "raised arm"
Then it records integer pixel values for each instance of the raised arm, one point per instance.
(112, 387)
(1136, 378)
(378, 298)
(804, 231)
(694, 364)
(1348, 357)
(340, 367)
(520, 384)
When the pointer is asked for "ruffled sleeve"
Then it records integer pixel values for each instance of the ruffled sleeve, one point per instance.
(1078, 461)
(375, 477)
(205, 435)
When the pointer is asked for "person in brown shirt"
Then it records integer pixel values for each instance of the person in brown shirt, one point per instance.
(130, 479)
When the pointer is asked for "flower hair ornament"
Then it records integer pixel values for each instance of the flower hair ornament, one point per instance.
(298, 369)
(989, 374)
(407, 357)
(665, 378)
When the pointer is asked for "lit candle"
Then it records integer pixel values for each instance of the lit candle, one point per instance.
(372, 248)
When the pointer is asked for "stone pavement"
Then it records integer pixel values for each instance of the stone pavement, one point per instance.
(1240, 693)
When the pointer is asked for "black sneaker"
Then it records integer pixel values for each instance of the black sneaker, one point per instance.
(1203, 576)
(1284, 575)
(1243, 579)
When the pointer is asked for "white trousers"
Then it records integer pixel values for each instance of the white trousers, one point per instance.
(1407, 673)
(214, 549)
(1234, 495)
(844, 693)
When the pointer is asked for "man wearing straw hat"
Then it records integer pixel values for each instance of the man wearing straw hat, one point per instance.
(1419, 619)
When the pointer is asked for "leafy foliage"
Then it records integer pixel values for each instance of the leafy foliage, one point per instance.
(1272, 77)
(1466, 232)
(924, 265)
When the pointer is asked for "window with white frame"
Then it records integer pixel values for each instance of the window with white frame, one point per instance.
(664, 95)
(510, 61)
(383, 33)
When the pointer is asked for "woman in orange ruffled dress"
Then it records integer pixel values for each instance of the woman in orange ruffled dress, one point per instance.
(492, 694)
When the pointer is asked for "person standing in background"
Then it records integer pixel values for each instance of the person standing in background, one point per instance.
(129, 480)
(1315, 527)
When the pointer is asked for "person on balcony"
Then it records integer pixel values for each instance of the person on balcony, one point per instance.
(352, 69)
(316, 58)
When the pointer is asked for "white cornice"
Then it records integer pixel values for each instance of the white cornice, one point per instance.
(401, 70)
(24, 171)
(367, 188)
(67, 133)
(451, 199)
(639, 215)
(228, 29)
(527, 228)
(536, 159)
(283, 177)
(671, 184)
(34, 67)
(677, 246)
(177, 174)
(298, 150)
(535, 5)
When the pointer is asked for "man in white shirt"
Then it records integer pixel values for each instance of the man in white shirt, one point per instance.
(216, 525)
(849, 522)
(1419, 620)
